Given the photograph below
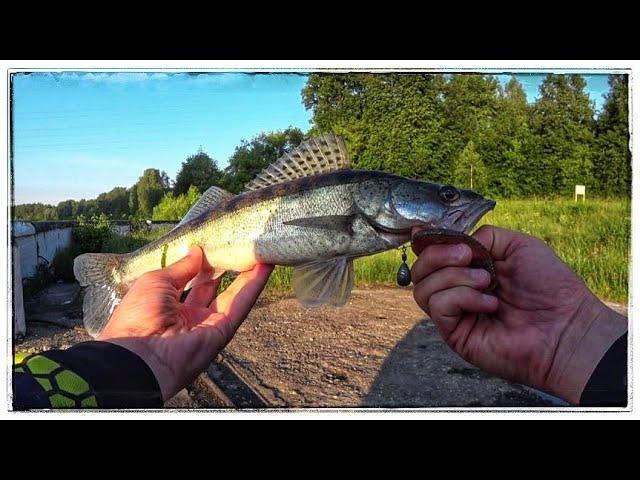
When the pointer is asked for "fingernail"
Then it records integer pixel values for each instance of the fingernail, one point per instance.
(479, 275)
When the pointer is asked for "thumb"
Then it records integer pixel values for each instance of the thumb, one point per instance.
(500, 242)
(180, 272)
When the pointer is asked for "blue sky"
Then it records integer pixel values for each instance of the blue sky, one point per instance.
(79, 134)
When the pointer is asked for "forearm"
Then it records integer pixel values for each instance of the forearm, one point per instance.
(607, 386)
(582, 347)
(87, 375)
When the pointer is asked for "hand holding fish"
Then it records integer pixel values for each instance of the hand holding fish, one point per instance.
(541, 326)
(179, 340)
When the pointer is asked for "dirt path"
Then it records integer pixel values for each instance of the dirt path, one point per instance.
(377, 351)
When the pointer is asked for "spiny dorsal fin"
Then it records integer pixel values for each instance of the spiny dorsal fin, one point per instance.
(207, 201)
(323, 154)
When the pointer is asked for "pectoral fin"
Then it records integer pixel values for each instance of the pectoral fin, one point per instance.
(321, 283)
(204, 276)
(340, 223)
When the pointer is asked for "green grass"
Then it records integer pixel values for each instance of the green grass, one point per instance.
(593, 238)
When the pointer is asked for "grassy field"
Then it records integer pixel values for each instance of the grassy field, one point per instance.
(592, 237)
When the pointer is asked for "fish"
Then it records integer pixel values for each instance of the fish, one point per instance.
(308, 210)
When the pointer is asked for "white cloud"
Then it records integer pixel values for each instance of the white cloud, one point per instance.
(121, 77)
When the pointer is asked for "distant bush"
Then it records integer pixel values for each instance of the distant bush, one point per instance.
(91, 234)
(173, 207)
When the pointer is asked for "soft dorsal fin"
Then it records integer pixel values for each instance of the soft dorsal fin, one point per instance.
(323, 154)
(207, 201)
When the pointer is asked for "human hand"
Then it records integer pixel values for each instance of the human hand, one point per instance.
(541, 326)
(179, 340)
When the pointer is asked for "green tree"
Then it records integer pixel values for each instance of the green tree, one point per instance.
(469, 171)
(114, 203)
(392, 122)
(175, 207)
(338, 102)
(563, 120)
(133, 200)
(251, 157)
(150, 189)
(199, 170)
(469, 109)
(64, 210)
(34, 212)
(509, 147)
(612, 157)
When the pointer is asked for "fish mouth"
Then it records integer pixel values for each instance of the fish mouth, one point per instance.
(464, 219)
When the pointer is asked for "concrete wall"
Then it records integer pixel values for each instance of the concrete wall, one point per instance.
(19, 323)
(38, 242)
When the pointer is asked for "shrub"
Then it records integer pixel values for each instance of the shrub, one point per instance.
(174, 208)
(62, 264)
(90, 235)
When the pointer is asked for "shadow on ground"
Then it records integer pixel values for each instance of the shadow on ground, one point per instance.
(421, 371)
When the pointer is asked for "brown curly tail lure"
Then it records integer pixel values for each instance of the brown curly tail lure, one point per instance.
(481, 258)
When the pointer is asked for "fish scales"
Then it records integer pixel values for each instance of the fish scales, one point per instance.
(235, 239)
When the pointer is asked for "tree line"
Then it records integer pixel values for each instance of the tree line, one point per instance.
(468, 128)
(464, 129)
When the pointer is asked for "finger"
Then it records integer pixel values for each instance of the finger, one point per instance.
(180, 272)
(436, 257)
(238, 299)
(202, 294)
(449, 277)
(447, 306)
(499, 241)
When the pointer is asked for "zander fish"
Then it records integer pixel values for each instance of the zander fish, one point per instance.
(307, 210)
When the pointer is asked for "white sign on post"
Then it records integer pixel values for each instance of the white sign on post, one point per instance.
(579, 191)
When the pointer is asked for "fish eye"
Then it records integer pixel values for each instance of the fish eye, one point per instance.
(449, 194)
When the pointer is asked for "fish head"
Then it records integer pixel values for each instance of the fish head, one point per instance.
(396, 205)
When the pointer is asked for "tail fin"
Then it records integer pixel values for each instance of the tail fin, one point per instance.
(103, 293)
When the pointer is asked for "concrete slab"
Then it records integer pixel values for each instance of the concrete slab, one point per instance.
(58, 304)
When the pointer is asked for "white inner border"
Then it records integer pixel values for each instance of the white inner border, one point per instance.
(304, 66)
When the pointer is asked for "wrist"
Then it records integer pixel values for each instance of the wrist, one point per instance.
(587, 337)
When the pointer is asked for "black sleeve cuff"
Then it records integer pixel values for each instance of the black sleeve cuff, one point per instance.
(607, 386)
(118, 377)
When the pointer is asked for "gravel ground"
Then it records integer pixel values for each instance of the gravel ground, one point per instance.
(377, 351)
